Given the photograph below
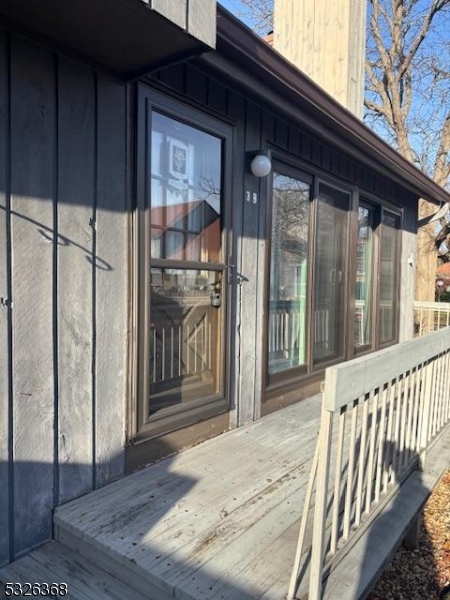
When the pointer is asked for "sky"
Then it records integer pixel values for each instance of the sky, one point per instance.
(231, 5)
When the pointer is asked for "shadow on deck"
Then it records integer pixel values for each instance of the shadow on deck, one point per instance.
(217, 521)
(220, 521)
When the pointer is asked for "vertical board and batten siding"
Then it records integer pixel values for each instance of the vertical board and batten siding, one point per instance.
(5, 313)
(63, 263)
(111, 282)
(256, 127)
(248, 267)
(32, 142)
(75, 199)
(235, 108)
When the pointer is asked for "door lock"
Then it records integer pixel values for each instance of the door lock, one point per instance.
(216, 299)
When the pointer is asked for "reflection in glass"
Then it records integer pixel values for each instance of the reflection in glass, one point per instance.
(363, 292)
(330, 273)
(185, 191)
(389, 266)
(185, 342)
(288, 273)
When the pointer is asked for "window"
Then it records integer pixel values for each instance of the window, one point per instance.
(330, 274)
(289, 262)
(306, 323)
(389, 277)
(364, 291)
(377, 277)
(185, 191)
(320, 312)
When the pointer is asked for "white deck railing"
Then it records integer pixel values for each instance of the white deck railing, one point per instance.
(430, 316)
(379, 415)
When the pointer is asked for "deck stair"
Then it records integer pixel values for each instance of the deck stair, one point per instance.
(54, 563)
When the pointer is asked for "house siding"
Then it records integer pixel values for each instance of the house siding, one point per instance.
(66, 136)
(63, 278)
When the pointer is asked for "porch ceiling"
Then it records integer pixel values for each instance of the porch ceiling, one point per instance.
(126, 38)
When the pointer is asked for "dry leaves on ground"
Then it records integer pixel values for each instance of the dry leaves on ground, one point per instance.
(424, 573)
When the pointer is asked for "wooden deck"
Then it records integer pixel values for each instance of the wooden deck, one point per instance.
(217, 522)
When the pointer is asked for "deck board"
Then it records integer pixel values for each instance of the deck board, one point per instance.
(54, 563)
(202, 524)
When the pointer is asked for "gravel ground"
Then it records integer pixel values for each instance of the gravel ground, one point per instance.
(423, 574)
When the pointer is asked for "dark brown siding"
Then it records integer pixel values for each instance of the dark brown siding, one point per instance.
(63, 256)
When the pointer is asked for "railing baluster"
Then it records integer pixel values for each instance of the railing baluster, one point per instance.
(425, 421)
(318, 542)
(210, 345)
(447, 387)
(407, 408)
(397, 428)
(403, 421)
(180, 348)
(163, 354)
(388, 453)
(434, 398)
(337, 482)
(154, 355)
(350, 473)
(413, 447)
(371, 462)
(381, 445)
(172, 353)
(362, 459)
(188, 352)
(195, 347)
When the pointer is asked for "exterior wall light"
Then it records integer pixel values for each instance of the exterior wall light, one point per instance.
(260, 165)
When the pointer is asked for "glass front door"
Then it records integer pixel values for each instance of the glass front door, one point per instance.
(184, 300)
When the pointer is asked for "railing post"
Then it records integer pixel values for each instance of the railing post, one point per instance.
(320, 512)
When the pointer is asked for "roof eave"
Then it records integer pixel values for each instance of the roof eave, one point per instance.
(282, 79)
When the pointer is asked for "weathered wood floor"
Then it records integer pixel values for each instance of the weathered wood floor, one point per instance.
(219, 521)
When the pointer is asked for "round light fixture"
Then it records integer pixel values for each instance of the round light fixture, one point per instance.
(260, 165)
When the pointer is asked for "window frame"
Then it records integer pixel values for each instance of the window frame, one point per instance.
(376, 209)
(289, 165)
(290, 170)
(397, 213)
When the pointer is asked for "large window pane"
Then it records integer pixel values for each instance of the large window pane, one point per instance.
(186, 342)
(389, 271)
(185, 191)
(288, 273)
(364, 272)
(330, 273)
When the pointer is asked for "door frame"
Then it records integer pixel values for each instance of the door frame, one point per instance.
(139, 428)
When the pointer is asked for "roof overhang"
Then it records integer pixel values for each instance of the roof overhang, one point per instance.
(125, 38)
(254, 66)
